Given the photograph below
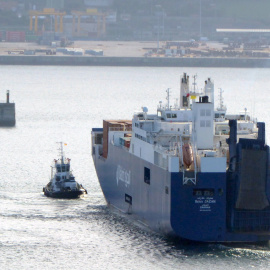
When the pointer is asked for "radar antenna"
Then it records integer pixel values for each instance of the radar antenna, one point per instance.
(222, 107)
(168, 98)
(194, 82)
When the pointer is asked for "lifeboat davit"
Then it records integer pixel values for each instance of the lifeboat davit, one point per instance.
(187, 154)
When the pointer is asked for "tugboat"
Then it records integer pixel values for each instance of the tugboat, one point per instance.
(62, 184)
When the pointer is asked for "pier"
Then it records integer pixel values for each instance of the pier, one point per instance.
(134, 61)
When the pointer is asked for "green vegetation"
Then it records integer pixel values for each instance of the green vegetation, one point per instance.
(70, 5)
(245, 9)
(250, 13)
(10, 18)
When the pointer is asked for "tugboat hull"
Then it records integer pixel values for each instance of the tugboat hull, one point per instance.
(73, 194)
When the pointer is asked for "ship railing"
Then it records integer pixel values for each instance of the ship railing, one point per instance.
(124, 147)
(5, 102)
(195, 154)
(168, 150)
(120, 129)
(181, 153)
(187, 180)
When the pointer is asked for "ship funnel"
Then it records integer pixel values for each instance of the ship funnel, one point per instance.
(7, 96)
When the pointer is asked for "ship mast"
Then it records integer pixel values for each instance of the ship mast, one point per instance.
(221, 107)
(194, 83)
(168, 98)
(61, 152)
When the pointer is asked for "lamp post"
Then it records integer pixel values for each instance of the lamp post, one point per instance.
(200, 19)
(158, 8)
(51, 17)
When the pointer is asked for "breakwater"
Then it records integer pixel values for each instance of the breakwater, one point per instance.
(7, 113)
(134, 61)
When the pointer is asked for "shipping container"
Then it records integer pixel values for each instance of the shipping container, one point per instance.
(31, 38)
(94, 52)
(29, 52)
(115, 125)
(15, 36)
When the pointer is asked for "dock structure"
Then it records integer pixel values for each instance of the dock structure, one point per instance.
(46, 12)
(7, 112)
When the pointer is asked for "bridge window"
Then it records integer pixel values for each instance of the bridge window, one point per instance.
(208, 123)
(58, 168)
(202, 123)
(202, 112)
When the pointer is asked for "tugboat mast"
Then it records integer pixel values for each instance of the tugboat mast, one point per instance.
(61, 152)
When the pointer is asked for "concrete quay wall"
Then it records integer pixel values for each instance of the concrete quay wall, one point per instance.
(134, 61)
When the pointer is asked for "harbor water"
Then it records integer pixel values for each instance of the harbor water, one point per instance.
(54, 104)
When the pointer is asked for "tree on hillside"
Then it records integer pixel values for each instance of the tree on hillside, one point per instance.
(10, 18)
(70, 5)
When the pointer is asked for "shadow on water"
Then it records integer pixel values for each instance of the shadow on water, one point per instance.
(177, 248)
(227, 251)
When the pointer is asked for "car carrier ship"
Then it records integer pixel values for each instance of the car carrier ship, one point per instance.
(190, 170)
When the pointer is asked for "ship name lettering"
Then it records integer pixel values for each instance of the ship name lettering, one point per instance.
(122, 175)
(210, 201)
(205, 207)
(198, 201)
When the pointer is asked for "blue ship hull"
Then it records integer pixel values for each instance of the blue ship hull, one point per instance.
(199, 213)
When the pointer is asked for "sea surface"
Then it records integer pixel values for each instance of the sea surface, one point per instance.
(62, 104)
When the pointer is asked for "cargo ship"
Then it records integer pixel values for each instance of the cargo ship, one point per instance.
(190, 170)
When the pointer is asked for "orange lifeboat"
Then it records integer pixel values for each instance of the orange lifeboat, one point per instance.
(187, 154)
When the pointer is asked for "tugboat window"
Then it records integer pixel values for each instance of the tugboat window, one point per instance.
(147, 175)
